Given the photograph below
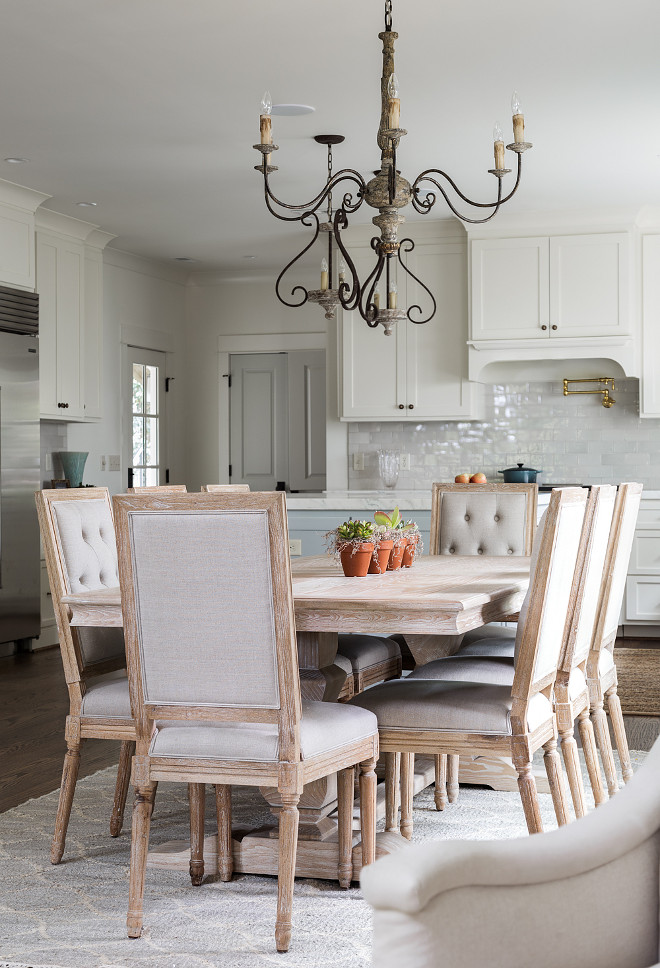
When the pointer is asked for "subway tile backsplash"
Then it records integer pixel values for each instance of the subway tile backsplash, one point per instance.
(571, 439)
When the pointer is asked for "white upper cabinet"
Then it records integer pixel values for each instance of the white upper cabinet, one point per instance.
(420, 371)
(649, 397)
(17, 208)
(70, 287)
(548, 288)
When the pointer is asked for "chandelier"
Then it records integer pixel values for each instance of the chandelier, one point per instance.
(387, 192)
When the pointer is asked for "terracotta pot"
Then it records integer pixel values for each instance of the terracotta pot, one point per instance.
(356, 563)
(380, 559)
(410, 551)
(397, 555)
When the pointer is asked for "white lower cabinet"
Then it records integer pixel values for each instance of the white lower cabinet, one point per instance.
(420, 371)
(642, 598)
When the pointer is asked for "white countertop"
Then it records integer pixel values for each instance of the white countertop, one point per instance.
(383, 500)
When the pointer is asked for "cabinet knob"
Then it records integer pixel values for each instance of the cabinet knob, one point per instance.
(401, 407)
(63, 405)
(411, 406)
(554, 327)
(544, 326)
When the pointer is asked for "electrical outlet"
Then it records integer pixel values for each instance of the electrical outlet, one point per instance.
(114, 462)
(103, 462)
(404, 462)
(358, 461)
(295, 546)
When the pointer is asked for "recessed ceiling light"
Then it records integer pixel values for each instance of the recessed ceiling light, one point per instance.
(249, 257)
(292, 109)
(183, 258)
(87, 204)
(16, 161)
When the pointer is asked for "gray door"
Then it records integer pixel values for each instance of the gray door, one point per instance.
(277, 420)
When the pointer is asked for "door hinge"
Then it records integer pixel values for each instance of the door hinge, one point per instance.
(230, 470)
(167, 475)
(227, 377)
(168, 380)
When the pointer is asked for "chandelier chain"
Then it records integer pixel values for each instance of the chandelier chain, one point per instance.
(388, 14)
(329, 180)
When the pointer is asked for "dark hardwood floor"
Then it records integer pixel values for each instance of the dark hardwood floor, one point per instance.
(33, 707)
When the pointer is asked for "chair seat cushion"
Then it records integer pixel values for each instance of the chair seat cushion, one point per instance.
(577, 684)
(427, 704)
(490, 640)
(344, 663)
(494, 670)
(605, 661)
(365, 651)
(107, 697)
(324, 728)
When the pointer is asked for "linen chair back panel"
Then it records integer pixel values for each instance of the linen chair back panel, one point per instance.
(630, 496)
(486, 523)
(86, 539)
(206, 634)
(569, 506)
(604, 498)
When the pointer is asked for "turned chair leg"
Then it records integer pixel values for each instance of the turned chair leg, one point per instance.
(345, 783)
(368, 810)
(196, 797)
(590, 751)
(225, 845)
(440, 781)
(67, 789)
(529, 797)
(142, 810)
(602, 732)
(121, 787)
(452, 777)
(620, 738)
(569, 752)
(407, 775)
(552, 762)
(288, 836)
(392, 779)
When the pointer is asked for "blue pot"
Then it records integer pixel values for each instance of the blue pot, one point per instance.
(73, 465)
(520, 475)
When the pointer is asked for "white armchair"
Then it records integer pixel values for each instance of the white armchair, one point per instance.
(584, 895)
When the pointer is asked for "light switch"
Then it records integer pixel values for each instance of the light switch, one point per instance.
(295, 546)
(114, 462)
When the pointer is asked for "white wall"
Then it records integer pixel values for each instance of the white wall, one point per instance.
(143, 302)
(219, 307)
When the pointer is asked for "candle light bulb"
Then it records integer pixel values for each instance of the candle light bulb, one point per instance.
(341, 270)
(266, 103)
(392, 287)
(393, 86)
(377, 298)
(324, 265)
(497, 132)
(515, 103)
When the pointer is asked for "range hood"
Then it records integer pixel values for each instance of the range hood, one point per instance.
(509, 361)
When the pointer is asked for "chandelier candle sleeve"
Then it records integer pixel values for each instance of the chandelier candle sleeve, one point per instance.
(324, 274)
(394, 102)
(499, 147)
(391, 296)
(265, 119)
(518, 119)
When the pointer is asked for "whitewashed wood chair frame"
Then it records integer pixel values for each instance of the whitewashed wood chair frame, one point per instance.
(88, 655)
(539, 641)
(157, 488)
(230, 698)
(446, 768)
(601, 670)
(219, 488)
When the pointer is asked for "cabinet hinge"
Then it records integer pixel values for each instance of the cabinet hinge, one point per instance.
(227, 377)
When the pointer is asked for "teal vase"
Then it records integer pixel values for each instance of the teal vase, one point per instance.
(73, 465)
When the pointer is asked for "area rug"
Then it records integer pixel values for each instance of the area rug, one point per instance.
(74, 915)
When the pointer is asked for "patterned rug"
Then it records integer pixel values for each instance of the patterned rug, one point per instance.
(74, 915)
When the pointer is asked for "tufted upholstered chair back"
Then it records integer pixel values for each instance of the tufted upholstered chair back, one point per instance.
(78, 535)
(483, 519)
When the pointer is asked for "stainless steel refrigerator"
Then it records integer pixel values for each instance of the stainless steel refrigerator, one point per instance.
(20, 618)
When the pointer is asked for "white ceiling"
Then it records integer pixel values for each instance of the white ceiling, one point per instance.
(150, 107)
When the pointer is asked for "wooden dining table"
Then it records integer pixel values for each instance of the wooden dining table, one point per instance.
(440, 595)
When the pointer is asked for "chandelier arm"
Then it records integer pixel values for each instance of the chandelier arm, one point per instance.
(515, 187)
(347, 174)
(425, 176)
(349, 301)
(369, 310)
(296, 305)
(408, 245)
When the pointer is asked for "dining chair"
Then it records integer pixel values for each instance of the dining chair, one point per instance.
(146, 488)
(571, 695)
(213, 571)
(601, 669)
(78, 537)
(218, 488)
(431, 716)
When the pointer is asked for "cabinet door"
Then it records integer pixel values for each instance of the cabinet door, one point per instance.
(436, 352)
(372, 364)
(589, 285)
(93, 335)
(60, 287)
(510, 288)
